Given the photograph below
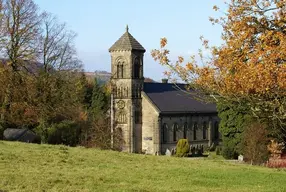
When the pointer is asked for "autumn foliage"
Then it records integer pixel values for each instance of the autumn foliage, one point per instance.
(249, 66)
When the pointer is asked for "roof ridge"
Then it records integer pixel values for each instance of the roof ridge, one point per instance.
(129, 36)
(126, 42)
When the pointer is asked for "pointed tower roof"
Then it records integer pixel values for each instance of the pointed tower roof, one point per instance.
(126, 43)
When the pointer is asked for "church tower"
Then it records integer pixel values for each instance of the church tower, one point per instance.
(127, 83)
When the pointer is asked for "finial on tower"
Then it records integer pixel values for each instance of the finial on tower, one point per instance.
(127, 28)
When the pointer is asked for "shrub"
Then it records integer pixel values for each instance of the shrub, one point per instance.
(276, 163)
(275, 149)
(234, 117)
(98, 135)
(230, 149)
(229, 152)
(65, 132)
(183, 148)
(254, 143)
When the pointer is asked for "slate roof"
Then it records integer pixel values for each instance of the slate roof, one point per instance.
(169, 98)
(126, 43)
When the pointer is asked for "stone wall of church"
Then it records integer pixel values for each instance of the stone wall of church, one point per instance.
(162, 132)
(126, 91)
(150, 131)
(198, 129)
(122, 120)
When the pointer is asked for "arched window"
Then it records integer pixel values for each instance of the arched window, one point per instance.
(195, 130)
(175, 131)
(137, 68)
(120, 69)
(216, 131)
(204, 130)
(165, 133)
(185, 130)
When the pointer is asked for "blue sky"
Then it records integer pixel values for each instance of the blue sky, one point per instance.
(99, 23)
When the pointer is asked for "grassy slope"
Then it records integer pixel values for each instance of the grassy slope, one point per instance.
(28, 167)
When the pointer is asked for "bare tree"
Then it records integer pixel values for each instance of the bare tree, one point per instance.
(57, 51)
(22, 27)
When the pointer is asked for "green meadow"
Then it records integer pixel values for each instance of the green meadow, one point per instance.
(30, 167)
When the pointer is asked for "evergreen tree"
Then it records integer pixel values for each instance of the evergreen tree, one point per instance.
(234, 117)
(98, 101)
(84, 90)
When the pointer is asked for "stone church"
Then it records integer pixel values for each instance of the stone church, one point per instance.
(152, 117)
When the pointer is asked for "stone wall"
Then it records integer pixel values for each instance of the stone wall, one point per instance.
(153, 138)
(169, 139)
(150, 135)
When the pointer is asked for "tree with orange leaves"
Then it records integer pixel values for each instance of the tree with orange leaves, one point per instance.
(250, 65)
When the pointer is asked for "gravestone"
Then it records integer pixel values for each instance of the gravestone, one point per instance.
(168, 153)
(240, 158)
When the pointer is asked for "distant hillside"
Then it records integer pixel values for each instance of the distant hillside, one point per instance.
(104, 76)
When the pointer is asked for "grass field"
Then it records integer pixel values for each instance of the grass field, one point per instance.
(29, 167)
